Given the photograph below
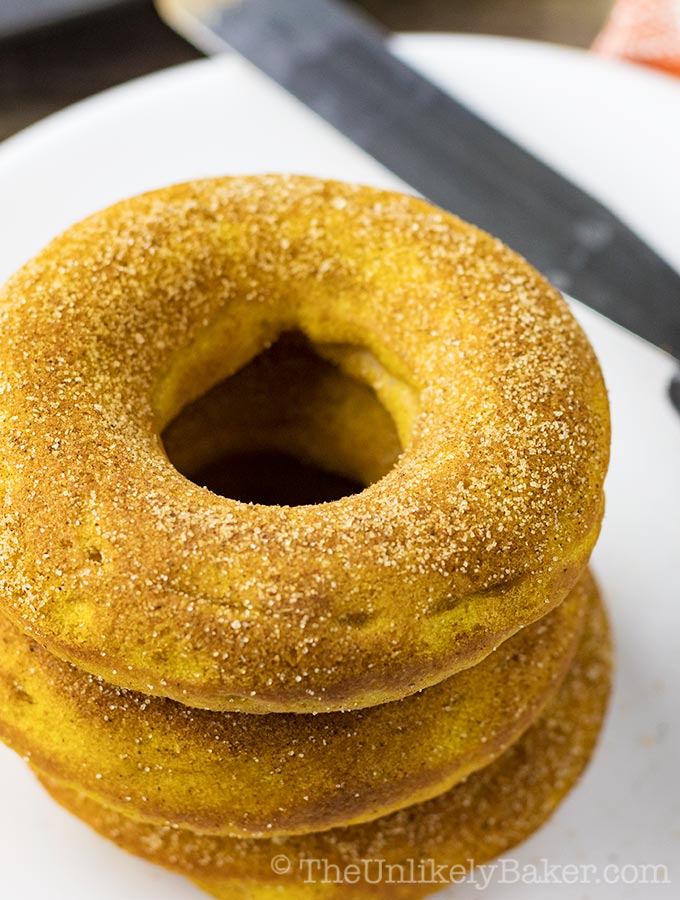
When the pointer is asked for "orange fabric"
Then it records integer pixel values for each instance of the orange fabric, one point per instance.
(643, 31)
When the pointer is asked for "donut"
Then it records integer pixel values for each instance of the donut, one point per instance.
(115, 561)
(233, 773)
(478, 819)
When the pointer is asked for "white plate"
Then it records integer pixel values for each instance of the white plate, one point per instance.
(615, 129)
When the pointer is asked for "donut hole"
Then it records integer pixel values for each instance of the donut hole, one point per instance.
(273, 478)
(289, 428)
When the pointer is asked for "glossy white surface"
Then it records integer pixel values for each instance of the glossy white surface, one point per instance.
(616, 130)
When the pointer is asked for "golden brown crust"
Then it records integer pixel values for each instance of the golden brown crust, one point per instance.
(232, 773)
(486, 815)
(117, 563)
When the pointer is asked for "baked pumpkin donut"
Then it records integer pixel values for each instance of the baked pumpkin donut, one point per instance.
(233, 773)
(482, 817)
(116, 562)
(230, 772)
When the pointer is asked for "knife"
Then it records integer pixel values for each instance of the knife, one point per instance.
(338, 63)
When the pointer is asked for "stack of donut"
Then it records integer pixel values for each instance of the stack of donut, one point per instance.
(299, 699)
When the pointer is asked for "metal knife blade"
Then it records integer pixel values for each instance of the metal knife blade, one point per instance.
(338, 63)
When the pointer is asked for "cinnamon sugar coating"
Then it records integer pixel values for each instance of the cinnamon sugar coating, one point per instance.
(233, 773)
(478, 819)
(117, 563)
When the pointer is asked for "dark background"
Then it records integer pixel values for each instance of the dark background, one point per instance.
(45, 70)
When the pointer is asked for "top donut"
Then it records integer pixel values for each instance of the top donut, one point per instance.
(116, 562)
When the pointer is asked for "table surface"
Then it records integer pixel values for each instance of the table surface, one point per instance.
(45, 71)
